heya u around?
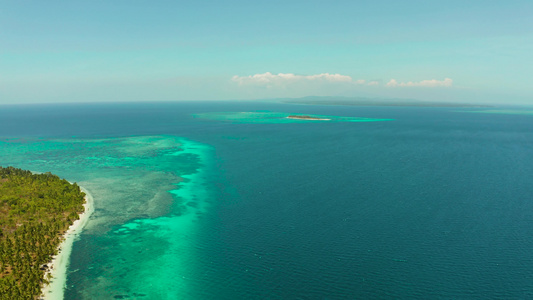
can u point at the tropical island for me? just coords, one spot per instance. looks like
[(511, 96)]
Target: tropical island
[(297, 117), (36, 210)]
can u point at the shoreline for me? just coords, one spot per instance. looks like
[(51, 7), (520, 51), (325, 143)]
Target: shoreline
[(57, 268), (307, 118)]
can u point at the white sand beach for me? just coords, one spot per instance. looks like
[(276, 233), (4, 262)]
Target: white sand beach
[(58, 267)]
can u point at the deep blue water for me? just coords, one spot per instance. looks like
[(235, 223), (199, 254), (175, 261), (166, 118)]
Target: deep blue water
[(435, 204)]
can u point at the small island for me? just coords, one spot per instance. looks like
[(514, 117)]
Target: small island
[(270, 117), (307, 118)]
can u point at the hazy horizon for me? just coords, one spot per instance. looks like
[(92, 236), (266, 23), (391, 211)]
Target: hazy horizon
[(322, 100)]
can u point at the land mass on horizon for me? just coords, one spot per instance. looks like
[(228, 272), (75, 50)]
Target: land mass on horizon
[(369, 101)]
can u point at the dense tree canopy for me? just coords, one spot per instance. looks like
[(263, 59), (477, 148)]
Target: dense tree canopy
[(35, 212)]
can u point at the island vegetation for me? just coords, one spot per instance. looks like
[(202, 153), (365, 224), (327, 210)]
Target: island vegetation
[(35, 212)]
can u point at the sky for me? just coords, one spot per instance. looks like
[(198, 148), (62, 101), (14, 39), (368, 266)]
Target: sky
[(120, 51)]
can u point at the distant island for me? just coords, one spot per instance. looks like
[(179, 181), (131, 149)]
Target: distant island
[(36, 210), (367, 101), (306, 118)]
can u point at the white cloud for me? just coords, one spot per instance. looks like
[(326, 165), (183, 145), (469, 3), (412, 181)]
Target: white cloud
[(447, 82), (284, 79), (281, 78)]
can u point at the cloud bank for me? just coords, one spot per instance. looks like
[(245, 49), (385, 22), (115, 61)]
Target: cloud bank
[(282, 79), (269, 78), (447, 82)]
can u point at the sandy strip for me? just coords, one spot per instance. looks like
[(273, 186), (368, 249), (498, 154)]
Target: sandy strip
[(310, 119), (58, 267)]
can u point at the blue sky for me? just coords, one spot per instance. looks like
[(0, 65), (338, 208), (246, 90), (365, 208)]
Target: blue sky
[(83, 51)]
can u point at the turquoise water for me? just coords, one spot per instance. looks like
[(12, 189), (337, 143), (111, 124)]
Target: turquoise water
[(149, 196), (433, 205)]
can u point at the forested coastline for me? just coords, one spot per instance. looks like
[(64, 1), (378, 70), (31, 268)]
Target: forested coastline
[(35, 212)]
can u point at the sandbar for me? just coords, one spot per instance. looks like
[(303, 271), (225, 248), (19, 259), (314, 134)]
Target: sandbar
[(307, 118)]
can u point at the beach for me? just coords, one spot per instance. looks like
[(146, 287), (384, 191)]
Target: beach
[(307, 118), (58, 266)]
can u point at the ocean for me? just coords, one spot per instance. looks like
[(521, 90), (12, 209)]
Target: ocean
[(195, 200)]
